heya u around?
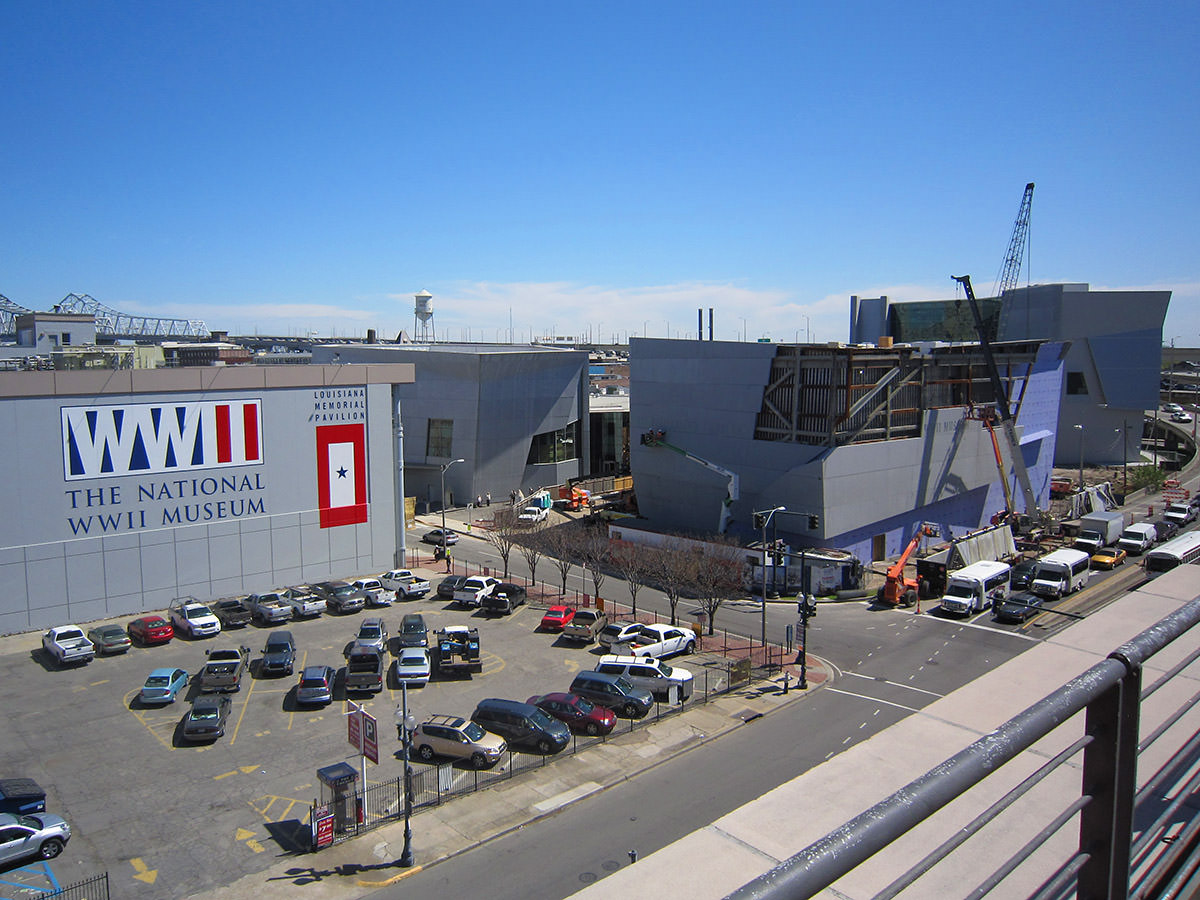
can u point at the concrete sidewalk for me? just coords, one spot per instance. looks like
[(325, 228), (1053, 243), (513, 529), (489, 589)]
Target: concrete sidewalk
[(356, 867)]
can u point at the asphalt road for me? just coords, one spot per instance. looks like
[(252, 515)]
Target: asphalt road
[(907, 664)]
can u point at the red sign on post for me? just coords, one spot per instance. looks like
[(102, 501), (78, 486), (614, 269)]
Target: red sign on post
[(370, 737), (323, 832), (354, 729)]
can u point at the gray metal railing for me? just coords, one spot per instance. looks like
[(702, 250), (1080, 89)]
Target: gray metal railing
[(1108, 806)]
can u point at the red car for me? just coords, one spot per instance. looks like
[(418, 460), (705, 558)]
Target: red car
[(557, 617), (150, 630), (580, 715)]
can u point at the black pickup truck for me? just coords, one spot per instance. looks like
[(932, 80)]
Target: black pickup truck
[(233, 613)]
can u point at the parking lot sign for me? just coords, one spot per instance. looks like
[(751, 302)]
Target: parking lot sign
[(354, 729), (370, 737)]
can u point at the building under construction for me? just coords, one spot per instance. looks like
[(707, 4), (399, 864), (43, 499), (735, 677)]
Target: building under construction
[(860, 444)]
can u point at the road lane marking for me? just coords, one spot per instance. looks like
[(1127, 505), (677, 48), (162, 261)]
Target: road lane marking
[(142, 871), (873, 700), (907, 687)]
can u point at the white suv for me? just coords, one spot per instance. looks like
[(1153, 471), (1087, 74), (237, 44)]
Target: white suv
[(648, 673)]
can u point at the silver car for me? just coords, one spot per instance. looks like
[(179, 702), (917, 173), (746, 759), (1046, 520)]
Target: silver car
[(41, 835), (316, 685)]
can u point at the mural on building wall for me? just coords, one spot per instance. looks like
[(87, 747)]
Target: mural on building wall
[(342, 474)]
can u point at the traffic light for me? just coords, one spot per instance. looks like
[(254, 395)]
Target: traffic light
[(760, 521), (814, 521)]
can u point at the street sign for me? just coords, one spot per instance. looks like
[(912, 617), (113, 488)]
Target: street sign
[(370, 737), (323, 831), (354, 729)]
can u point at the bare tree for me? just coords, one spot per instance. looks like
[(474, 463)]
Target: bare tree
[(594, 549), (720, 576), (634, 563), (503, 534), (561, 544), (674, 569), (532, 548)]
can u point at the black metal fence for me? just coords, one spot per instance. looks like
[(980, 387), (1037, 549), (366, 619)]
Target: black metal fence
[(94, 888), (434, 784), (1131, 842)]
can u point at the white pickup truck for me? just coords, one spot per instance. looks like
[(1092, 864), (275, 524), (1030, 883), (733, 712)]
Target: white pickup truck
[(531, 515), (67, 644), (270, 608), (191, 618), (657, 641), (303, 600), (471, 592), (376, 593), (405, 583)]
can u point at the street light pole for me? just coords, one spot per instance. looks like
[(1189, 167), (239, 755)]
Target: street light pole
[(1079, 428), (763, 519), (406, 855), (1124, 459), (445, 466)]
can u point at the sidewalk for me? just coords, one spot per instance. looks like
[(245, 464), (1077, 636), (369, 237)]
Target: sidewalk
[(359, 866)]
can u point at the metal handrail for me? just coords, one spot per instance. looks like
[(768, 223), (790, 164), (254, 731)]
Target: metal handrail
[(1111, 693)]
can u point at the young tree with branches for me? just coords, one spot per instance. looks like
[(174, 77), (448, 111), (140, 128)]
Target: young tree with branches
[(562, 545), (673, 568), (594, 549), (634, 563), (720, 576), (532, 548), (503, 534)]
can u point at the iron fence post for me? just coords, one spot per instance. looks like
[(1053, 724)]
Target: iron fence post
[(1110, 779)]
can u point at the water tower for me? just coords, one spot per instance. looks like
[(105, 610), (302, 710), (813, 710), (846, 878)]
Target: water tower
[(423, 314)]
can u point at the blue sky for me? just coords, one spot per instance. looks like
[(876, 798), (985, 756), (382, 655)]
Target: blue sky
[(590, 169)]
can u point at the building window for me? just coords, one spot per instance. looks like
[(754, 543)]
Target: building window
[(66, 339), (440, 438), (555, 446), (1076, 383)]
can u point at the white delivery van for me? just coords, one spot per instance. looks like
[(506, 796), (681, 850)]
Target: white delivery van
[(1138, 538), (974, 588), (1059, 573)]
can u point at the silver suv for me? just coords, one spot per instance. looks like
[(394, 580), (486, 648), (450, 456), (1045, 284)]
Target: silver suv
[(41, 835), (459, 738)]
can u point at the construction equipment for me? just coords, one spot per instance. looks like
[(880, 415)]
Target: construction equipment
[(897, 589), (1011, 270), (656, 438), (1007, 425)]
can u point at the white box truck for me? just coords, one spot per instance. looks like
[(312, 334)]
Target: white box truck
[(1138, 538), (974, 588), (1099, 529), (1061, 572)]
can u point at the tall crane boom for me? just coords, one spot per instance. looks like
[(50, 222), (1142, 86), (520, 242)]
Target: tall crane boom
[(1006, 420), (1011, 272)]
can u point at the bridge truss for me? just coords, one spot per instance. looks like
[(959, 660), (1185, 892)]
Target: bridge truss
[(111, 322)]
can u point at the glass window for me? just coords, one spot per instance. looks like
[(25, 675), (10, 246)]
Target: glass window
[(1076, 383), (440, 438), (555, 446)]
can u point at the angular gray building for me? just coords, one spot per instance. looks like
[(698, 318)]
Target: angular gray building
[(516, 415)]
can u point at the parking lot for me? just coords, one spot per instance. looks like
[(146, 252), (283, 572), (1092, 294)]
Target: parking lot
[(167, 818)]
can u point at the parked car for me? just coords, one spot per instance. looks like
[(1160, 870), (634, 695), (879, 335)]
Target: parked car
[(304, 601), (585, 625), (458, 738), (365, 668), (67, 645), (406, 584), (616, 633), (271, 608), (163, 686), (223, 669), (556, 618), (373, 632), (192, 619), (206, 719), (442, 538), (340, 596), (1022, 574), (504, 599), (413, 631), (1108, 558), (1165, 529), (278, 654), (413, 666), (232, 612), (450, 584), (471, 592), (578, 714), (522, 725), (150, 630), (614, 692), (109, 639), (531, 515), (652, 674), (22, 837), (1018, 606), (376, 594), (316, 685)]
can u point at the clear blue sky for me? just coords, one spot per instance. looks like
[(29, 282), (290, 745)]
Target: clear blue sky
[(601, 169)]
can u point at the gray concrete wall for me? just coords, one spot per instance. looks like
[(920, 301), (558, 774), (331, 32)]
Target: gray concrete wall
[(82, 547)]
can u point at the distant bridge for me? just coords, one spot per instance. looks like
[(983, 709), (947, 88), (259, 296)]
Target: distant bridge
[(111, 323)]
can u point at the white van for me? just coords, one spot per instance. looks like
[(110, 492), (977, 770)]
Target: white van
[(1138, 538), (649, 673), (974, 588), (1059, 573)]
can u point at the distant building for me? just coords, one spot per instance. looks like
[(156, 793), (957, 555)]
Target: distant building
[(517, 415), (1111, 367), (861, 445)]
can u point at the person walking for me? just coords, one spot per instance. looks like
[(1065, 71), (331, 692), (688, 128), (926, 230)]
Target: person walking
[(487, 498)]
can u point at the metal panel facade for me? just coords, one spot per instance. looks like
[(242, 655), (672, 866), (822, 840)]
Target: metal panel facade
[(118, 503)]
